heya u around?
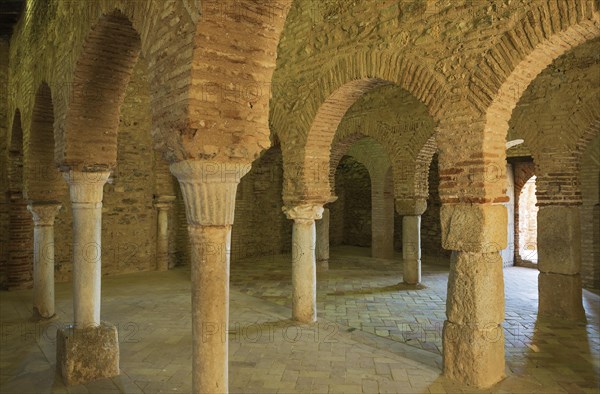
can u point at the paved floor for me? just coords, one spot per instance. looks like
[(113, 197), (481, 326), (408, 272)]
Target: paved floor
[(373, 335)]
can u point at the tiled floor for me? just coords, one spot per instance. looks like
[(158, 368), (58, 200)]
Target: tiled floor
[(373, 335)]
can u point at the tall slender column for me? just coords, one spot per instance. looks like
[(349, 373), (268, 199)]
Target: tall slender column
[(304, 277), (209, 191), (86, 191), (411, 249), (163, 204), (473, 337), (322, 251), (559, 253), (43, 257), (411, 210), (89, 349)]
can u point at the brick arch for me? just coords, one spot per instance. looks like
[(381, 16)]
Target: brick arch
[(421, 171), (234, 56), (558, 167), (43, 181), (504, 72), (544, 34), (521, 54), (306, 141), (102, 73)]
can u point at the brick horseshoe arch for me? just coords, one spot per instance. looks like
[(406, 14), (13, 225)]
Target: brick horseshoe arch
[(310, 147)]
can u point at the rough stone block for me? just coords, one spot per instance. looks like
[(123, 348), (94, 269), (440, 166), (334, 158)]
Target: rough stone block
[(560, 296), (474, 228), (472, 356), (559, 240), (476, 289), (84, 355)]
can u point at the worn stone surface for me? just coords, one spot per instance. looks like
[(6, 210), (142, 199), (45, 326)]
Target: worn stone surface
[(474, 356), (474, 228), (560, 296), (476, 289), (85, 355), (559, 239)]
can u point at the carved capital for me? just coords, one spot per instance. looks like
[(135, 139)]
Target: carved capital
[(44, 212), (411, 206), (306, 212), (209, 190), (86, 187), (164, 202)]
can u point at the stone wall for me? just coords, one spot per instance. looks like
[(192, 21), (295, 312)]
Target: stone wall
[(590, 215), (260, 227), (431, 231), (3, 162)]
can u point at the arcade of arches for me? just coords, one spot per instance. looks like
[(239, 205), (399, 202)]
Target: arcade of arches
[(300, 196)]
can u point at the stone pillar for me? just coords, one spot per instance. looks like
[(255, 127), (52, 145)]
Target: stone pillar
[(559, 253), (322, 252), (304, 277), (209, 191), (88, 350), (43, 257), (382, 218), (411, 249), (473, 337), (163, 204), (411, 210)]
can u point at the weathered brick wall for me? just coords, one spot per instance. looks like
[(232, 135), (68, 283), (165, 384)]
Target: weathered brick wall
[(260, 227), (590, 215), (3, 161), (431, 232), (357, 207)]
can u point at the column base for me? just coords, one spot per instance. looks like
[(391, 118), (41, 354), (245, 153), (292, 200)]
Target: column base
[(37, 315), (412, 272), (560, 296), (84, 355), (473, 356)]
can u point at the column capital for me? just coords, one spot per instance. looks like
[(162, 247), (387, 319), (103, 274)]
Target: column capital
[(305, 212), (86, 187), (164, 202), (44, 212), (209, 190), (411, 206)]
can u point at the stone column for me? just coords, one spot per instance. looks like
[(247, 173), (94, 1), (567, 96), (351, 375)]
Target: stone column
[(411, 249), (43, 257), (304, 277), (163, 204), (473, 337), (88, 350), (209, 191), (411, 210), (559, 253), (322, 252)]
